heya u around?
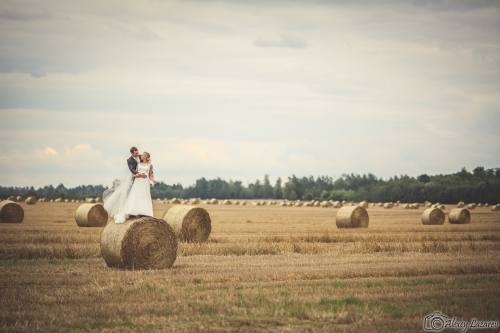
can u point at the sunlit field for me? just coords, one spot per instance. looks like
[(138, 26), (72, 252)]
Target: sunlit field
[(264, 268)]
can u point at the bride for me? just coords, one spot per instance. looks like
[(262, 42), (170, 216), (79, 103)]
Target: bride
[(132, 195)]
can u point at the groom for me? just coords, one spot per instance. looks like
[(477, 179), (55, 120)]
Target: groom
[(132, 162)]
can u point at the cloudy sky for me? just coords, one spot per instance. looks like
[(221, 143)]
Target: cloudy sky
[(239, 89)]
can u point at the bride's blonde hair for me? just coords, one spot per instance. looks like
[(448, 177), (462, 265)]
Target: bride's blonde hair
[(148, 159)]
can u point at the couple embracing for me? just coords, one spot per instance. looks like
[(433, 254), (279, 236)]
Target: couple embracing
[(131, 196)]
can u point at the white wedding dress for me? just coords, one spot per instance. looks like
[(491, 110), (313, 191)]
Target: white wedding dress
[(129, 196)]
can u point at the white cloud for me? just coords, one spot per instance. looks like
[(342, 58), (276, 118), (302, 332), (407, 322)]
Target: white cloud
[(355, 87)]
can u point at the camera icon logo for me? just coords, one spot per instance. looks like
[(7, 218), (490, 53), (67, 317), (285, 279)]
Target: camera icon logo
[(435, 322)]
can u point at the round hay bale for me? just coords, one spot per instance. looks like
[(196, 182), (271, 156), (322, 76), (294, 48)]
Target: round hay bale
[(190, 224), (12, 198), (99, 200), (226, 202), (388, 205), (495, 208), (308, 204), (91, 215), (11, 212), (433, 216), (317, 204), (59, 200), (139, 243), (352, 217), (66, 200), (406, 206), (298, 204), (31, 201), (380, 204), (194, 201), (284, 204), (90, 200), (19, 199), (471, 206), (51, 200), (363, 204), (214, 201), (175, 201), (459, 216), (243, 203), (479, 205), (486, 205), (337, 204), (373, 205)]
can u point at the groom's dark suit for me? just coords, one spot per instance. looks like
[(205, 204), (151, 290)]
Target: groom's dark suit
[(132, 164)]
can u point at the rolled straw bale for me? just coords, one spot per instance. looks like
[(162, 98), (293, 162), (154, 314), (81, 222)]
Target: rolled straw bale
[(290, 204), (31, 201), (325, 204), (479, 205), (459, 216), (317, 204), (352, 217), (363, 204), (19, 199), (73, 200), (337, 204), (398, 202), (387, 205), (442, 207), (406, 206), (91, 215), (12, 198), (284, 204), (433, 216), (214, 201), (51, 200), (11, 212), (139, 243), (351, 204), (495, 208), (344, 202), (243, 203), (428, 204), (471, 206), (194, 201), (99, 200), (227, 202), (59, 200), (380, 204), (486, 205), (308, 204), (175, 201), (66, 200), (190, 224), (298, 204), (373, 205), (90, 200)]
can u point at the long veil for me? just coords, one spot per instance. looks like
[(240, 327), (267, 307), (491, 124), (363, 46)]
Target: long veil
[(116, 197)]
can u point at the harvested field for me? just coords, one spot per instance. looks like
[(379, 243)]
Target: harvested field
[(263, 268)]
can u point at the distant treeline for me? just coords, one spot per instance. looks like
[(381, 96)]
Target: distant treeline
[(480, 186)]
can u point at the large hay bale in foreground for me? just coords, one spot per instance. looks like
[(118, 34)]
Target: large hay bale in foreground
[(91, 215), (139, 243), (190, 224), (11, 212), (31, 201), (433, 216), (352, 217), (459, 216)]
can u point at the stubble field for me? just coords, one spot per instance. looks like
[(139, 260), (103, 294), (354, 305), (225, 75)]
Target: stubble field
[(264, 268)]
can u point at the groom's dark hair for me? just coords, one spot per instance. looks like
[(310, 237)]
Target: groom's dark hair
[(133, 149)]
